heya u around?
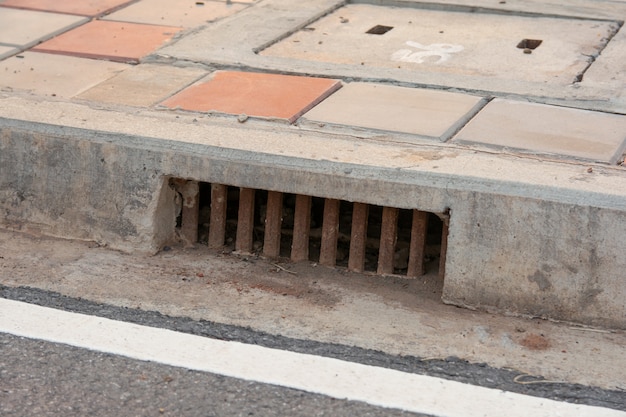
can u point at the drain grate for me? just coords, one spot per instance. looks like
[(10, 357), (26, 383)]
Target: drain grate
[(358, 236)]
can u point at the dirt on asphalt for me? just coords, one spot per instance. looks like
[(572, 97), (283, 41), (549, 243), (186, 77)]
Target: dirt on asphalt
[(392, 314)]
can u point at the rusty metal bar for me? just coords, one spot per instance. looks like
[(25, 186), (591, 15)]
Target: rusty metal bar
[(217, 225), (301, 229), (443, 250), (245, 220), (358, 237), (190, 193), (419, 229), (273, 223), (330, 231), (388, 238)]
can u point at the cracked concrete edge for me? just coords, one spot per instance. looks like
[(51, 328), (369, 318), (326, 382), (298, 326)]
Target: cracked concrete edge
[(223, 47)]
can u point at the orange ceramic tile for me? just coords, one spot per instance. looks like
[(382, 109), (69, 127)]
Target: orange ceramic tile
[(114, 41), (79, 7), (255, 94)]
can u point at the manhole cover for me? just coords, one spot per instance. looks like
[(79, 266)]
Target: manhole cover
[(537, 49)]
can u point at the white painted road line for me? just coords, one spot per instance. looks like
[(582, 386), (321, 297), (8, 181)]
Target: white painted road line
[(332, 377)]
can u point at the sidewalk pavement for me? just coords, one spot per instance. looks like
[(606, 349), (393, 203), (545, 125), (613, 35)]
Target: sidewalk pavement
[(97, 51)]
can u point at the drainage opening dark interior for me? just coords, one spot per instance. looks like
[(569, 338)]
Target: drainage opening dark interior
[(357, 236)]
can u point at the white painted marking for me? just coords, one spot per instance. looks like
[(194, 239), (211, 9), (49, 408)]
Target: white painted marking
[(443, 51), (332, 377)]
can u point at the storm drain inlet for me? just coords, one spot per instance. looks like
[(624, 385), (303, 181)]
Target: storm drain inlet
[(358, 236)]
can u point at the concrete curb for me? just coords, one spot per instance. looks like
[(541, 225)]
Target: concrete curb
[(516, 243)]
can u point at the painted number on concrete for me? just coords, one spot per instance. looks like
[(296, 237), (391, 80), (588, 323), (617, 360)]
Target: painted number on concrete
[(443, 51)]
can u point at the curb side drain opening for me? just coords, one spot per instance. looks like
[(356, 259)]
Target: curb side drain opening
[(357, 236)]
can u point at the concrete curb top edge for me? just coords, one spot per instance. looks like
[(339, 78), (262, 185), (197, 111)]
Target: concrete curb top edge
[(414, 175)]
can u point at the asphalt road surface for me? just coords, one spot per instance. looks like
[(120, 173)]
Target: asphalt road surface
[(43, 378)]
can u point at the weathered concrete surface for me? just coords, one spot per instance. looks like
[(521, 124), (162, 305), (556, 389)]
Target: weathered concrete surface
[(79, 188), (526, 236), (537, 257), (453, 42)]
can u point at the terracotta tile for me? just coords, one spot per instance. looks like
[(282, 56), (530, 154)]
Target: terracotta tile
[(116, 41), (143, 85), (255, 94), (6, 51), (79, 7), (187, 13), (23, 28), (430, 113), (61, 76), (543, 129)]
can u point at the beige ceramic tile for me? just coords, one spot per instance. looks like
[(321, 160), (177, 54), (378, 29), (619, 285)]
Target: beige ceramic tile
[(544, 129), (143, 85), (26, 27), (414, 111), (272, 96), (54, 75), (115, 41), (79, 7), (187, 13), (6, 51)]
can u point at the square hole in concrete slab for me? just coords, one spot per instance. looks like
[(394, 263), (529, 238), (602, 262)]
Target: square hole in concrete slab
[(449, 42), (379, 30), (357, 236), (529, 43)]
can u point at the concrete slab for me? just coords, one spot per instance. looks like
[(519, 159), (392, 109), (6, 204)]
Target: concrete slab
[(450, 42), (115, 41), (142, 85), (187, 13), (54, 75), (83, 8), (24, 28), (6, 51), (255, 94), (601, 10), (609, 69), (430, 113), (543, 129)]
